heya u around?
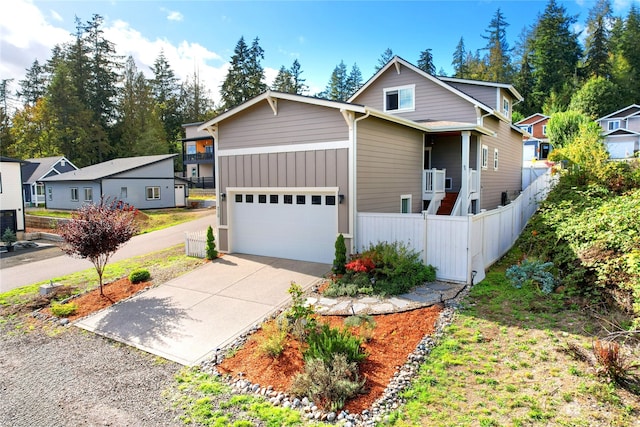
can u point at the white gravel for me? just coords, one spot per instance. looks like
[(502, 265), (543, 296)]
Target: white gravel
[(79, 379)]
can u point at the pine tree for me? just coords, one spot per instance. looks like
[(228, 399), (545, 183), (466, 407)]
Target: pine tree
[(597, 42), (459, 60), (337, 89), (385, 57), (165, 87), (195, 101), (631, 52), (425, 62), (34, 85), (298, 82), (354, 80), (555, 52), (245, 77), (283, 81), (498, 63)]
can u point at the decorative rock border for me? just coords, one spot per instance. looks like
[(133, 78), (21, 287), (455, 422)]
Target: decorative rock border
[(389, 401)]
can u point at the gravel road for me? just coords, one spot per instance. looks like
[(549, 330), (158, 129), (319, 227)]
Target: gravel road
[(76, 378)]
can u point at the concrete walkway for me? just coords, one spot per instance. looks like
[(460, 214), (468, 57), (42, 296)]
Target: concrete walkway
[(189, 317)]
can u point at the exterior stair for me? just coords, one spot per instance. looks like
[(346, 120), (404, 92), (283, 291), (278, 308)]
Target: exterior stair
[(446, 206)]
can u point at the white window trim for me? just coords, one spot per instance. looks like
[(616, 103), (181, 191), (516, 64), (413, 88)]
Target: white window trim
[(495, 159), (506, 112), (610, 125), (399, 88), (77, 196), (404, 197), (484, 156), (88, 190), (153, 192), (544, 130)]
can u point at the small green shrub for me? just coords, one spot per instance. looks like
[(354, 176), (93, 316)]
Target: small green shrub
[(328, 384), (300, 314), (212, 253), (64, 310), (340, 255), (8, 237), (140, 275), (326, 341), (274, 339), (534, 272)]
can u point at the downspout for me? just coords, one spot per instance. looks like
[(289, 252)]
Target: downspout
[(353, 205)]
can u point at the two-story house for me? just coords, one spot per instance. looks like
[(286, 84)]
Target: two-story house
[(535, 140), (621, 132), (197, 156), (11, 198), (293, 172)]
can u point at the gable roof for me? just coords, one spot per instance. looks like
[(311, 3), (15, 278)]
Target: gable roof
[(625, 112), (620, 132), (506, 86), (272, 97), (533, 119), (109, 168), (37, 169)]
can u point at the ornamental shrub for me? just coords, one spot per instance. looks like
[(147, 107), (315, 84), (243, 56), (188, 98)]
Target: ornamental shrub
[(138, 276), (340, 255), (326, 341), (274, 339), (64, 310), (212, 253), (534, 272)]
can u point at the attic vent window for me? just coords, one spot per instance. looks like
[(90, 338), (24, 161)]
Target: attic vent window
[(399, 98)]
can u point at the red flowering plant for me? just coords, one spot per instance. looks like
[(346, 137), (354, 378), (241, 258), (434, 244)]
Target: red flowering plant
[(361, 265)]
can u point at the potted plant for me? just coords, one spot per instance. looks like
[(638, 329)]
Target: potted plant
[(9, 238)]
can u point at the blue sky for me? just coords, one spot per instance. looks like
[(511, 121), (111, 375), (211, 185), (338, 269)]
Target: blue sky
[(202, 34)]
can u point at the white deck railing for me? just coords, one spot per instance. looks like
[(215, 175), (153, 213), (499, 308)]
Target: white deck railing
[(433, 183)]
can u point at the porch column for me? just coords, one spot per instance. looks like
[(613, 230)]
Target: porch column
[(464, 187)]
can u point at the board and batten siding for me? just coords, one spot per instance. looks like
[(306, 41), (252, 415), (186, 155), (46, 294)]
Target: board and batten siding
[(508, 177), (389, 165), (317, 168), (295, 123), (432, 101)]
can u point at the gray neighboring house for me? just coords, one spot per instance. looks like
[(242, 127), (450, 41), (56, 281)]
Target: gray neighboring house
[(38, 169), (621, 132), (146, 182)]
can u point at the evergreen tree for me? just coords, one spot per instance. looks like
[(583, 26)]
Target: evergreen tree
[(425, 62), (630, 46), (283, 81), (245, 77), (596, 98), (555, 52), (31, 131), (385, 57), (195, 101), (165, 87), (523, 77), (597, 42), (354, 80), (7, 144), (298, 82), (459, 62), (337, 89), (34, 85), (498, 63)]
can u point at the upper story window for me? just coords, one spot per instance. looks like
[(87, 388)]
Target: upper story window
[(613, 125), (485, 156), (544, 129), (506, 107), (526, 128), (399, 98)]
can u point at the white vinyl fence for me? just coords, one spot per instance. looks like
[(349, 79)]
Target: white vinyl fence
[(195, 244), (460, 247)]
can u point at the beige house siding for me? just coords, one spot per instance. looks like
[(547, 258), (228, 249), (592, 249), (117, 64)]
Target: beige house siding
[(295, 123), (633, 123), (508, 177), (320, 168), (485, 94), (432, 102), (389, 165)]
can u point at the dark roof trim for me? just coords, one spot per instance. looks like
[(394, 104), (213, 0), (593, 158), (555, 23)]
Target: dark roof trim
[(197, 138)]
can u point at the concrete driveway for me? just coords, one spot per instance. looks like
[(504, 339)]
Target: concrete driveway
[(188, 318)]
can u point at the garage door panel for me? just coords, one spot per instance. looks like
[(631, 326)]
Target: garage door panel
[(295, 231)]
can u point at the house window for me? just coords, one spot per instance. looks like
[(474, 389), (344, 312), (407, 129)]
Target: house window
[(262, 198), (399, 98), (50, 193), (330, 200), (194, 172), (153, 193), (123, 193), (485, 156), (288, 199), (238, 198), (74, 194), (544, 129), (495, 159), (208, 149), (249, 198), (88, 194), (40, 189), (191, 149), (613, 125), (448, 183), (301, 200), (273, 198), (316, 200), (405, 203), (506, 107)]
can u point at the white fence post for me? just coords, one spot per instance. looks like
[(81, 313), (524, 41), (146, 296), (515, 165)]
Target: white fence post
[(195, 244)]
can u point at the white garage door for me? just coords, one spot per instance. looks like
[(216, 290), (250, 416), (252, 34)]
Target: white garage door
[(295, 225)]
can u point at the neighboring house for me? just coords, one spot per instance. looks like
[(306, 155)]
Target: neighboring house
[(11, 199), (621, 132), (197, 157), (37, 169), (536, 142), (293, 171), (145, 182)]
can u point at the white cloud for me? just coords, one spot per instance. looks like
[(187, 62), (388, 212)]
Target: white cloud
[(55, 15), (172, 15)]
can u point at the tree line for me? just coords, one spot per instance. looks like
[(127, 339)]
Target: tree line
[(91, 105)]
